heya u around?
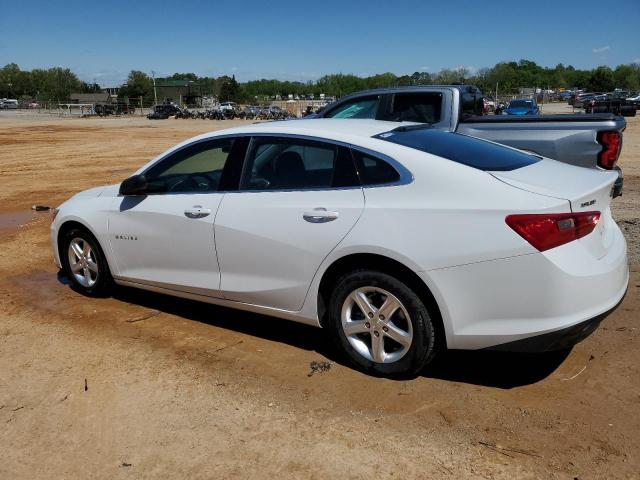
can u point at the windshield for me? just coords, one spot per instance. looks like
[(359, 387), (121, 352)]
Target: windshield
[(459, 148), (521, 104)]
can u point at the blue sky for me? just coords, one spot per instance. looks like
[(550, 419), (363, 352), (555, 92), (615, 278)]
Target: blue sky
[(301, 40)]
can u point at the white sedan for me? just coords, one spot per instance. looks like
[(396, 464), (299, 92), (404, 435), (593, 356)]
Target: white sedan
[(399, 238)]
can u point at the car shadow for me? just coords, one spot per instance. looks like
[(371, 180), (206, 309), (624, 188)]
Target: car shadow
[(495, 369), (486, 368), (261, 326)]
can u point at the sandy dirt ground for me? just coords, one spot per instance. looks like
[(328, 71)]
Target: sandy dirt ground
[(146, 386)]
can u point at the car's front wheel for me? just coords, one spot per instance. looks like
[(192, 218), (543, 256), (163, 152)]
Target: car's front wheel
[(84, 263), (382, 325)]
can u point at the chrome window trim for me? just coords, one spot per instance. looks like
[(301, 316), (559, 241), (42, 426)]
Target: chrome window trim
[(406, 177)]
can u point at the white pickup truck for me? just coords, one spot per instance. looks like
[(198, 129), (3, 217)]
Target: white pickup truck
[(585, 140)]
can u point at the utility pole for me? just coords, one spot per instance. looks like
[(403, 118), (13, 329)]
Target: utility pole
[(155, 94)]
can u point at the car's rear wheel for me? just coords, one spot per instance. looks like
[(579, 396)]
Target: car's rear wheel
[(84, 263), (381, 324)]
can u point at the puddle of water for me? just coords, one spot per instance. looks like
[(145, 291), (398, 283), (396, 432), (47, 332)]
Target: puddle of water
[(12, 220), (48, 286)]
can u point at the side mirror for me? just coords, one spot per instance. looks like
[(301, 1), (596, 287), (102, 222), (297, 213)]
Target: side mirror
[(135, 185)]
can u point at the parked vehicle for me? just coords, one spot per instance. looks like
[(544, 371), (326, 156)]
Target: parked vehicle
[(120, 108), (635, 100), (251, 112), (522, 107), (186, 113), (615, 103), (489, 106), (401, 240), (592, 141), (224, 106), (163, 111), (578, 97), (9, 104)]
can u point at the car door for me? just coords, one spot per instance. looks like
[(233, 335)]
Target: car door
[(297, 200), (165, 237)]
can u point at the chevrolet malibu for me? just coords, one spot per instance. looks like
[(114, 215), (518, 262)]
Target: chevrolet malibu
[(400, 239)]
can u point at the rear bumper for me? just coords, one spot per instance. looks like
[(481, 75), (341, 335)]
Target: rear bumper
[(537, 297), (558, 340)]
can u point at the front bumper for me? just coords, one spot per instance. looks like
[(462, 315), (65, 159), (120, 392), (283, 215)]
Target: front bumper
[(53, 234)]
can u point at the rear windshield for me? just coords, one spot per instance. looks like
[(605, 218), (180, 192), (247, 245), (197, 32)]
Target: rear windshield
[(422, 107), (521, 103), (470, 151)]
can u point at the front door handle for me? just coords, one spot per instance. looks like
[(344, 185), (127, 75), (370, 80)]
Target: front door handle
[(320, 215), (197, 212)]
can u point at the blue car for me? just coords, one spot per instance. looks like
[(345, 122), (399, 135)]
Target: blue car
[(522, 107)]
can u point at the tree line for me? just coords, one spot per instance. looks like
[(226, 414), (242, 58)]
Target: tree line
[(58, 83)]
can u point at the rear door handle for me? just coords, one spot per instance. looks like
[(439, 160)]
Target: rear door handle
[(197, 212), (320, 215)]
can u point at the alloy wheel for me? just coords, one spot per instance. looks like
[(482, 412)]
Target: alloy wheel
[(82, 262), (376, 324)]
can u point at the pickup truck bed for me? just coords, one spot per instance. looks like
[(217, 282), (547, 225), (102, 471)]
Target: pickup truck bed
[(569, 138)]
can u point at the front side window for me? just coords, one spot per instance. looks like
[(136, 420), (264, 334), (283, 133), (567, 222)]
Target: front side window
[(289, 163), (196, 168), (360, 108), (416, 107)]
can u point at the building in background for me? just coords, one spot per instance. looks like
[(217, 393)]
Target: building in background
[(181, 92)]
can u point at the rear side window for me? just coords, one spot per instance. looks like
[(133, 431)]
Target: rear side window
[(416, 107), (366, 107), (470, 151), (373, 170)]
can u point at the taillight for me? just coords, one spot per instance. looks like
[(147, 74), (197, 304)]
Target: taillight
[(611, 144), (545, 231)]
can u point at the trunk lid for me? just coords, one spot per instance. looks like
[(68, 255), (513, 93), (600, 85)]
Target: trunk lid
[(585, 189)]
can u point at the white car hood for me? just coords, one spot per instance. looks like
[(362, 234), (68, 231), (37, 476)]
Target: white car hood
[(107, 190)]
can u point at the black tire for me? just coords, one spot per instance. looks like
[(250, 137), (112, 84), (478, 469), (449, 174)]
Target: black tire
[(424, 343), (103, 282)]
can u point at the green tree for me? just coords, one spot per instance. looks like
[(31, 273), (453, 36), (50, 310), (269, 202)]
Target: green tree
[(627, 77), (230, 91), (139, 84), (601, 80)]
